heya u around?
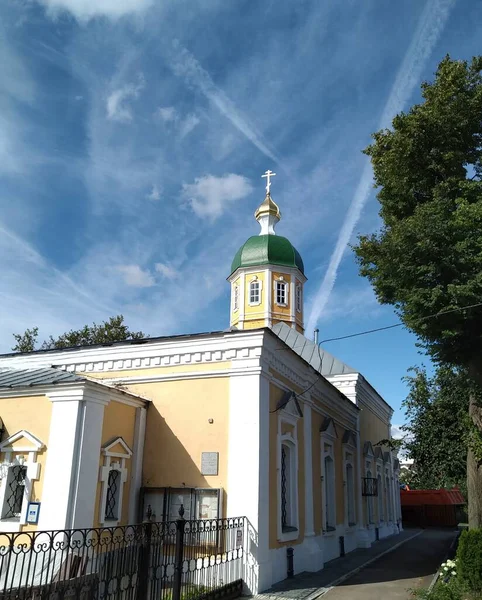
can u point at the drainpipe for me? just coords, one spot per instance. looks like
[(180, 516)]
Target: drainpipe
[(315, 338)]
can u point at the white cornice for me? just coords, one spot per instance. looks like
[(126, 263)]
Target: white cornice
[(356, 387), (168, 353)]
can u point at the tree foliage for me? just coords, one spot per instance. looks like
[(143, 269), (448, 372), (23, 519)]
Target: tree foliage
[(427, 258), (112, 330), (437, 434)]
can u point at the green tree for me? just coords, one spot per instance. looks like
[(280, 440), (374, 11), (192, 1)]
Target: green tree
[(437, 433), (427, 257), (113, 330)]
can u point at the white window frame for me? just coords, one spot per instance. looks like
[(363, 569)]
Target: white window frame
[(389, 496), (380, 485), (350, 488), (281, 282), (113, 461), (16, 457), (289, 415), (328, 492), (235, 297), (369, 499), (299, 297), (255, 279)]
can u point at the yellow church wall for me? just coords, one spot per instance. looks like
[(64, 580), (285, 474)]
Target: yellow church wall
[(178, 431), (119, 421), (372, 427), (254, 324), (32, 413), (275, 395)]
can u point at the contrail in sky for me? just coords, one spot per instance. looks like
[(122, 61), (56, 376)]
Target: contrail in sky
[(184, 64), (430, 26)]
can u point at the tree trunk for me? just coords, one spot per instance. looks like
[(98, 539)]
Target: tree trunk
[(474, 466)]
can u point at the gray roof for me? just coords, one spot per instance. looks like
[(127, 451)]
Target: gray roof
[(319, 359), (18, 378)]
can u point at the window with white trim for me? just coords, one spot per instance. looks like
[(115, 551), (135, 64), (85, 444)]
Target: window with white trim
[(281, 289), (350, 490), (389, 496), (299, 302), (18, 471), (15, 492), (329, 488), (255, 291), (113, 476), (112, 496), (369, 499), (288, 487), (235, 297), (381, 515)]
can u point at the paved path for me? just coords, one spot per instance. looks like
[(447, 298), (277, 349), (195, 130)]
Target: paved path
[(395, 564), (412, 565)]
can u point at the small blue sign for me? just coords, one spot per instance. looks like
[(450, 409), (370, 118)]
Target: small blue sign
[(33, 512)]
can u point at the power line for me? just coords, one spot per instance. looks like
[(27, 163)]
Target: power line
[(435, 315), (368, 331)]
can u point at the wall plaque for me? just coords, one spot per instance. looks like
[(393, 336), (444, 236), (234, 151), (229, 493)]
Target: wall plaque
[(209, 463)]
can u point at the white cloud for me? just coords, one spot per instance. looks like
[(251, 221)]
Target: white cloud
[(209, 196), (431, 25), (155, 193), (117, 107), (83, 10), (135, 276), (167, 271), (188, 124), (397, 433), (167, 113)]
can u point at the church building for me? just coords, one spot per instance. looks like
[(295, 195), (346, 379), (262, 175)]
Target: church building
[(255, 421)]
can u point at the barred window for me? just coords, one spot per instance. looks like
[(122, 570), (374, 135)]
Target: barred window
[(329, 483), (254, 292), (112, 499), (381, 516), (288, 473), (350, 494), (15, 491), (281, 292)]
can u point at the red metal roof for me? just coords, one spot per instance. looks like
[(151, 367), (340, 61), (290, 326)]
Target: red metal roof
[(420, 497)]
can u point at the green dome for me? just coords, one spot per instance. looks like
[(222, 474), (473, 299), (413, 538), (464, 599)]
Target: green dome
[(267, 250)]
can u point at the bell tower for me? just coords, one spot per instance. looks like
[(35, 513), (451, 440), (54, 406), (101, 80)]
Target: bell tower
[(267, 275)]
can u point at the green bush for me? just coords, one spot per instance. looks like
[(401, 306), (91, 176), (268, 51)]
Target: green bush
[(453, 590), (469, 559)]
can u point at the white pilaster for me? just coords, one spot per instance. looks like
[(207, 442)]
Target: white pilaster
[(248, 472), (62, 453), (313, 552), (73, 450), (363, 539), (84, 485), (136, 466), (307, 431)]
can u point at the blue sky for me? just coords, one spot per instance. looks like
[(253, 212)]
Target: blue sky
[(133, 136)]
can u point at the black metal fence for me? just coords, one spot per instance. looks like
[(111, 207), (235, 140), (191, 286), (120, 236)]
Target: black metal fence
[(174, 560)]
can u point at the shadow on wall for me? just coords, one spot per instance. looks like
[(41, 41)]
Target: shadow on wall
[(166, 461)]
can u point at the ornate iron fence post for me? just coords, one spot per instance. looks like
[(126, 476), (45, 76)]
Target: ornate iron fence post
[(144, 562), (178, 558)]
